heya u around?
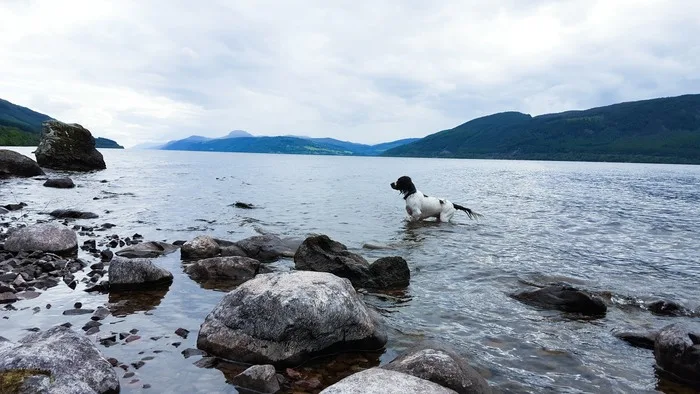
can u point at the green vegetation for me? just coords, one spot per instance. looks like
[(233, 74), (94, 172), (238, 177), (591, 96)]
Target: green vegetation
[(12, 136), (11, 381), (665, 130)]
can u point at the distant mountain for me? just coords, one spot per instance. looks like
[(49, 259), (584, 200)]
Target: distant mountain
[(147, 145), (237, 134), (664, 130), (20, 126)]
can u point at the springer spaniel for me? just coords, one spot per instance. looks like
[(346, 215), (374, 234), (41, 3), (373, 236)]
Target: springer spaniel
[(420, 206)]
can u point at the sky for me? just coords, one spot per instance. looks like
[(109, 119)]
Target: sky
[(364, 71)]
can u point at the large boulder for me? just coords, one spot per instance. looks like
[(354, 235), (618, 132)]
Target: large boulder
[(564, 298), (228, 271), (201, 247), (58, 360), (677, 351), (390, 272), (286, 318), (68, 147), (60, 183), (267, 247), (259, 378), (145, 250), (440, 364), (17, 164), (384, 381), (46, 237), (125, 274)]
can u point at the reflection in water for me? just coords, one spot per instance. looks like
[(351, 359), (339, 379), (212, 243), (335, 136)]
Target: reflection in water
[(130, 302)]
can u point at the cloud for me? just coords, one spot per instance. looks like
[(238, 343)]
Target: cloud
[(362, 71)]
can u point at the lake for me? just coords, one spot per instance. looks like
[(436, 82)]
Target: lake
[(629, 232)]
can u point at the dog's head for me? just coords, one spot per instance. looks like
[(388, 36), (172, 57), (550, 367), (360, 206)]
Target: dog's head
[(404, 185)]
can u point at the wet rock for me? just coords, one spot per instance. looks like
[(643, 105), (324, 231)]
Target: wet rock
[(17, 164), (390, 272), (193, 352), (73, 362), (384, 381), (260, 378), (46, 237), (643, 340), (181, 332), (132, 338), (440, 364), (564, 298), (201, 247), (285, 318), (100, 313), (268, 247), (136, 273), (28, 295), (68, 147), (243, 205), (76, 312), (72, 214), (677, 351), (106, 255), (232, 270), (91, 324), (147, 250), (205, 362), (14, 207), (4, 211), (668, 308), (60, 183), (8, 297)]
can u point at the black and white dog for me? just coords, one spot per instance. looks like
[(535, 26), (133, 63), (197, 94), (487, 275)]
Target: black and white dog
[(420, 206)]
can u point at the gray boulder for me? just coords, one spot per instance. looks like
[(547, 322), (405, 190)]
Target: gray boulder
[(68, 147), (69, 360), (677, 351), (267, 247), (139, 274), (17, 164), (641, 339), (286, 318), (201, 247), (72, 214), (229, 271), (260, 378), (564, 298), (147, 250), (440, 364), (384, 381), (390, 272), (46, 237), (60, 183)]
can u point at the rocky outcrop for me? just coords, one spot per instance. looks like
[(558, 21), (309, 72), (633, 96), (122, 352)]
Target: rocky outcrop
[(59, 360), (440, 364), (564, 298), (45, 237), (285, 318), (259, 378), (145, 250), (384, 381), (642, 339), (265, 248), (322, 254), (677, 351), (201, 247), (669, 308), (17, 164), (68, 147), (60, 183), (228, 271), (125, 274), (72, 214)]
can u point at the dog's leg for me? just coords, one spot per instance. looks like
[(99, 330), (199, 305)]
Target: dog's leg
[(446, 216)]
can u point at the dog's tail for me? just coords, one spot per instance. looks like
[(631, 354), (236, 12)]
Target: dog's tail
[(470, 213)]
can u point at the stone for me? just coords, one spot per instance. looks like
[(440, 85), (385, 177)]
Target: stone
[(668, 308), (106, 255), (8, 298), (72, 362), (46, 237), (181, 332), (60, 183), (260, 378), (384, 381), (147, 250), (232, 270), (201, 247), (190, 352), (286, 318), (645, 340), (677, 351), (68, 147), (564, 298), (136, 274), (17, 164), (72, 214), (390, 272), (75, 312), (267, 247), (322, 254), (100, 313)]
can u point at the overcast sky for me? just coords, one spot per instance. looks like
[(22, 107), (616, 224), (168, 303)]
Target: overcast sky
[(364, 71)]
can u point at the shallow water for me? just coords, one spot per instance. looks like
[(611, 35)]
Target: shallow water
[(627, 229)]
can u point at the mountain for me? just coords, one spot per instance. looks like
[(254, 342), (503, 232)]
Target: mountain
[(237, 134), (663, 130), (20, 126)]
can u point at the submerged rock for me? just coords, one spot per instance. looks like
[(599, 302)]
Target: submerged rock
[(69, 360), (644, 340), (284, 318), (201, 247), (60, 183), (390, 272), (668, 308), (267, 247), (72, 214), (45, 237), (17, 164), (260, 378), (147, 250), (68, 147), (232, 270), (677, 351), (384, 381), (136, 274), (564, 298)]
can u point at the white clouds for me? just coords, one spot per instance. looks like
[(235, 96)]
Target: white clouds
[(364, 71)]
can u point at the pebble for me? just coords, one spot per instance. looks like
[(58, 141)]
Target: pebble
[(182, 332)]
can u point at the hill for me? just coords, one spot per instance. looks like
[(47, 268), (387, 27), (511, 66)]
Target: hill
[(20, 126), (663, 130)]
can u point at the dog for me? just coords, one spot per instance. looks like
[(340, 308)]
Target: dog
[(421, 206)]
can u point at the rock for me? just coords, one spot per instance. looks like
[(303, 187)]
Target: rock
[(100, 313), (72, 214), (147, 250), (8, 298), (440, 364), (677, 351), (644, 340), (136, 274), (68, 147), (384, 381), (106, 255), (4, 211), (201, 247), (322, 254), (17, 164), (284, 318), (14, 207), (76, 311), (60, 183), (46, 237), (193, 352), (231, 270), (181, 332), (668, 308), (71, 360), (260, 378), (564, 298), (267, 247), (390, 272), (243, 205)]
